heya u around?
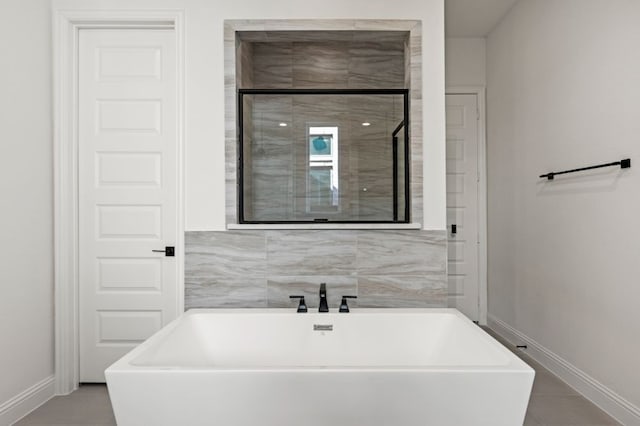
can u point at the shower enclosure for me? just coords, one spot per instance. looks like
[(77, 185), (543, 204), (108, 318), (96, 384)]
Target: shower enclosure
[(323, 155)]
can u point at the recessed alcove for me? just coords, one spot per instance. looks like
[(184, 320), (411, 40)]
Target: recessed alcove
[(321, 59), (347, 55), (259, 265)]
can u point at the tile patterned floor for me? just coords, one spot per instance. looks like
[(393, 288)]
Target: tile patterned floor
[(552, 403), (89, 405)]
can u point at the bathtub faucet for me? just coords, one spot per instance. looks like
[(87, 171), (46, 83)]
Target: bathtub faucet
[(324, 307)]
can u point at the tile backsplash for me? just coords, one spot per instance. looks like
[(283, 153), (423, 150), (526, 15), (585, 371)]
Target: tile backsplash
[(261, 268)]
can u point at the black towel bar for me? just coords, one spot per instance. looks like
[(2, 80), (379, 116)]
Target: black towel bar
[(624, 164)]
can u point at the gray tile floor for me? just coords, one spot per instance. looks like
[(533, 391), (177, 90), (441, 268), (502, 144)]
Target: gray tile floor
[(89, 405), (552, 403)]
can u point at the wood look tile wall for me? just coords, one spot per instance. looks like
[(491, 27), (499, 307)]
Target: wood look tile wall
[(323, 53), (262, 268)]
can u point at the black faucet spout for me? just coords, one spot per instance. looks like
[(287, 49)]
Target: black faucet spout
[(324, 307)]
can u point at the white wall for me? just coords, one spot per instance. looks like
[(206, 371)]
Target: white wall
[(26, 230), (205, 87), (564, 256), (465, 61)]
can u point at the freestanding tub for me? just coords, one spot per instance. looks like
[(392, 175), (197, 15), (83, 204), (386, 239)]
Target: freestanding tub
[(274, 367)]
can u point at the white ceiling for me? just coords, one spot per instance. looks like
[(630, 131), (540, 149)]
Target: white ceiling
[(474, 18)]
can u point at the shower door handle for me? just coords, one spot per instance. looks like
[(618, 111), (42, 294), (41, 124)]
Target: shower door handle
[(168, 251)]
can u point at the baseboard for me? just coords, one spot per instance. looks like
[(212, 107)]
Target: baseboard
[(27, 401), (609, 401)]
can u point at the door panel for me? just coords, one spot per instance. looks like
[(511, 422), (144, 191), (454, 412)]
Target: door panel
[(462, 203), (127, 137)]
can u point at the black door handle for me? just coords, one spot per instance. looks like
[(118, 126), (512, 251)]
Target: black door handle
[(168, 251), (454, 229)]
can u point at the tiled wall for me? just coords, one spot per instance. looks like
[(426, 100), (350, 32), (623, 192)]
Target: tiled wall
[(320, 33), (277, 165), (262, 268), (276, 158), (329, 65)]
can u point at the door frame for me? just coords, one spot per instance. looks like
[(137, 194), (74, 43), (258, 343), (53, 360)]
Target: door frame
[(66, 27), (479, 92)]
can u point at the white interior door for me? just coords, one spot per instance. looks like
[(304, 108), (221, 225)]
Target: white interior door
[(462, 203), (127, 136)]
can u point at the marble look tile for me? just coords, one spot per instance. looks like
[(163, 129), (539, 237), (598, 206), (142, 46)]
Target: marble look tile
[(386, 24), (226, 292), (319, 108), (267, 211), (241, 25), (267, 112), (253, 36), (244, 69), (375, 61), (229, 33), (384, 112), (415, 39), (320, 65), (415, 108), (416, 71), (416, 179), (309, 24), (311, 36), (273, 65), (230, 116), (311, 253), (414, 63), (375, 208), (401, 252), (399, 37), (229, 63), (376, 65), (402, 292), (224, 254), (229, 83), (324, 226), (271, 191), (407, 63), (299, 36), (231, 209), (231, 178), (230, 122), (230, 153), (336, 37), (279, 289), (230, 48)]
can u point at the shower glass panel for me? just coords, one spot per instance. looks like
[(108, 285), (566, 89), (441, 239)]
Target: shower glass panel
[(336, 156), (400, 183)]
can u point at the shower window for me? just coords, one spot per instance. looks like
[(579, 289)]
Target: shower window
[(323, 182), (310, 156)]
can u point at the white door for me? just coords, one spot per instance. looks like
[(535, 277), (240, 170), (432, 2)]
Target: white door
[(462, 203), (127, 136)]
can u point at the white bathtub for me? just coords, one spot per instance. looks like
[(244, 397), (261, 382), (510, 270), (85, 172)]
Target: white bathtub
[(376, 367)]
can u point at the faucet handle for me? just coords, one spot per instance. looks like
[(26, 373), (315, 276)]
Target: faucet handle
[(302, 306), (343, 305)]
